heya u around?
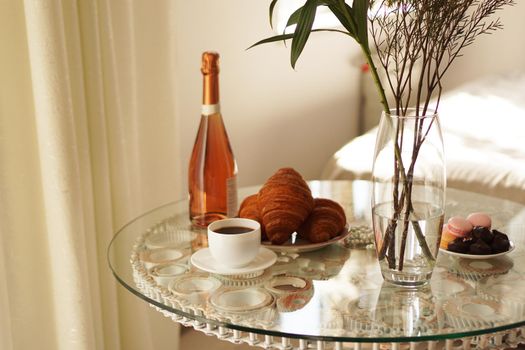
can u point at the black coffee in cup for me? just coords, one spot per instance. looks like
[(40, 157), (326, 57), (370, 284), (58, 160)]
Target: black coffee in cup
[(234, 230)]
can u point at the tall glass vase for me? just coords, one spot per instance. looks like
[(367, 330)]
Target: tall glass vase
[(408, 198)]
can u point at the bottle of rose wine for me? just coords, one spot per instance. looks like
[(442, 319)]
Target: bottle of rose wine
[(212, 175)]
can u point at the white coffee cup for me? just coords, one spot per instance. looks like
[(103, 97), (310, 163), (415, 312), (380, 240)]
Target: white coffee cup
[(232, 249)]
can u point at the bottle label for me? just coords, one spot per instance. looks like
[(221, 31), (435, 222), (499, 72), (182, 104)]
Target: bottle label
[(210, 109), (231, 195)]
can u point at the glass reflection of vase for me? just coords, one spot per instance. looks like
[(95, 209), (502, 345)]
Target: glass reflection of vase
[(405, 312)]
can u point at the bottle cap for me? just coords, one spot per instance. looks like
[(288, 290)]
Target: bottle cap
[(210, 62)]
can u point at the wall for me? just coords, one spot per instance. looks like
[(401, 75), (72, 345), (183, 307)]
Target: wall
[(502, 51), (275, 116)]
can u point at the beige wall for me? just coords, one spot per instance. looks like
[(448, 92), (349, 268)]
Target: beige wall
[(502, 51), (275, 116)]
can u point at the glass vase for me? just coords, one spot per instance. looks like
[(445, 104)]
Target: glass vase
[(408, 200)]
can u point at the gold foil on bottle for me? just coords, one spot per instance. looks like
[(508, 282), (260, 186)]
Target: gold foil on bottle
[(210, 63)]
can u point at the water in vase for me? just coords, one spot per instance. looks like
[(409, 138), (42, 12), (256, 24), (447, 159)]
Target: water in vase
[(407, 257)]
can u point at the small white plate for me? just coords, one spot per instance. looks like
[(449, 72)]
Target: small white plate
[(478, 257), (203, 260), (241, 300), (298, 245)]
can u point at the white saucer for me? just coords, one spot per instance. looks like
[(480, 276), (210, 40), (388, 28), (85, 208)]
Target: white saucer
[(203, 260)]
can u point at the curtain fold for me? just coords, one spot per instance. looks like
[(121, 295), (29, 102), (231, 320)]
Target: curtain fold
[(89, 28), (87, 143), (68, 224), (24, 269)]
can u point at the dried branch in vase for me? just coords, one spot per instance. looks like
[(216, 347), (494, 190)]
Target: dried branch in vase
[(423, 38)]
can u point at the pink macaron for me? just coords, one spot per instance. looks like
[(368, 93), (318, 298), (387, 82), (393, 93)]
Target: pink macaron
[(480, 220), (458, 226)]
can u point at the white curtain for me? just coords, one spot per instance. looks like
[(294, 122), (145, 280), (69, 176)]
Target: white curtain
[(87, 142)]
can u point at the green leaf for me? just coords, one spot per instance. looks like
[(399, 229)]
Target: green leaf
[(290, 36), (361, 19), (272, 39), (331, 30), (302, 32), (294, 17), (348, 24), (272, 5)]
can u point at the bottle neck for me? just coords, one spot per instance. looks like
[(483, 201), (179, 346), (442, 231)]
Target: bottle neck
[(210, 92)]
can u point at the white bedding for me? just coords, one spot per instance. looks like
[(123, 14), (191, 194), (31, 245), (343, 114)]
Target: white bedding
[(483, 126)]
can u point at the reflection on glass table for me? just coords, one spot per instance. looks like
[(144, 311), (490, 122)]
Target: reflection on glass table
[(334, 294)]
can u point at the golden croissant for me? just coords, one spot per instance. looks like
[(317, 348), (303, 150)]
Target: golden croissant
[(249, 209), (284, 201), (326, 221)]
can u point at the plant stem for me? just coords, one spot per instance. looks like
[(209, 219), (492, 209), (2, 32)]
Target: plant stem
[(405, 229), (377, 80), (389, 241), (422, 242)]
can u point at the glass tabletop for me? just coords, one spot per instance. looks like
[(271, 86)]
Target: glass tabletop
[(332, 293)]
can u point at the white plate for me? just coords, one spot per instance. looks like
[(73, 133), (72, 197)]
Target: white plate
[(299, 245), (478, 257), (203, 260), (241, 300)]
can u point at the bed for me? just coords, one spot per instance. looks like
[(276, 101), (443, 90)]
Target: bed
[(483, 125)]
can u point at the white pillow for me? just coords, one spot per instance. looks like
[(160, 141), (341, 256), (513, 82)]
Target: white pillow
[(484, 135)]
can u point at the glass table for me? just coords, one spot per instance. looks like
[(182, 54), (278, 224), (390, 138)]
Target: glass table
[(333, 297)]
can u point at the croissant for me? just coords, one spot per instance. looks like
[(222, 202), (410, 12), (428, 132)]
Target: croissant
[(284, 201), (250, 210), (326, 221)]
